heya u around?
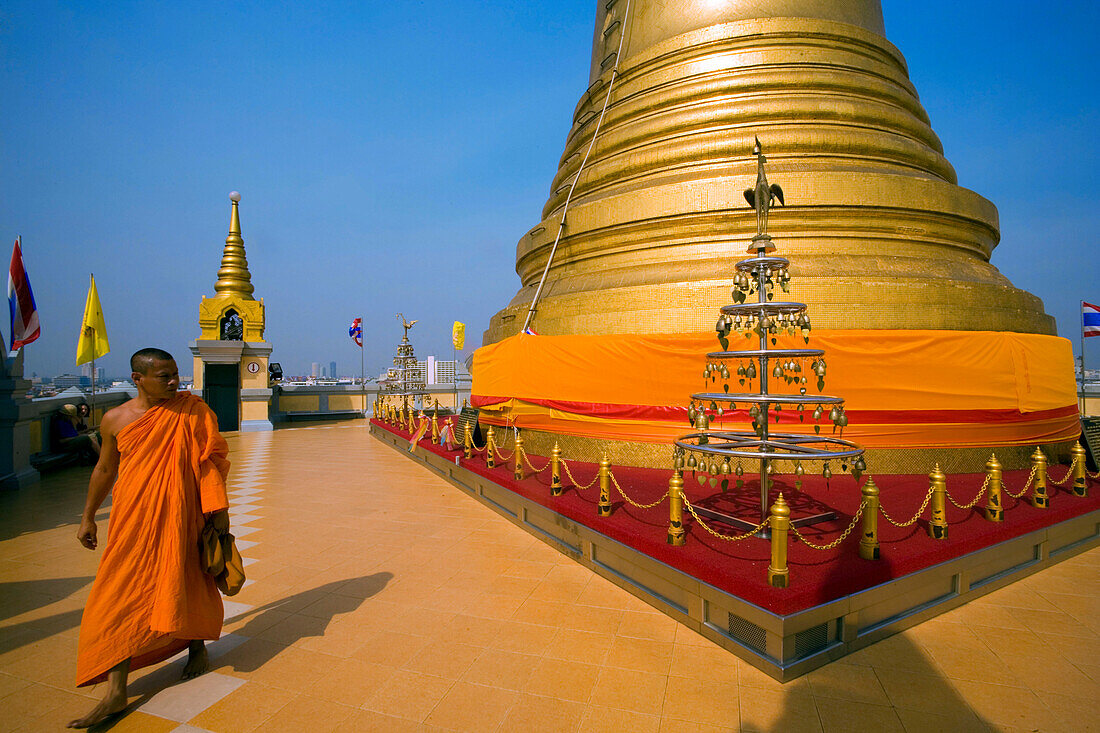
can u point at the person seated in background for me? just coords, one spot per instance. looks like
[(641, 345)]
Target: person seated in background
[(83, 414), (66, 438)]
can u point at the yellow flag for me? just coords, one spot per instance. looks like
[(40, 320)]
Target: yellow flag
[(458, 335), (93, 331)]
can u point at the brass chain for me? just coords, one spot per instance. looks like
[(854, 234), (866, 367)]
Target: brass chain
[(527, 460), (631, 501), (981, 493), (918, 515), (838, 540), (1034, 470), (573, 481), (1091, 475), (1069, 473), (736, 538), (500, 454)]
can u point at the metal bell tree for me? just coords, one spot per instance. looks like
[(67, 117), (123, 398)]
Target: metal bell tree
[(405, 379), (719, 453)]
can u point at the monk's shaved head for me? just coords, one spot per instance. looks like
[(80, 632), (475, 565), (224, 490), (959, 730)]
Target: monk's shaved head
[(142, 361)]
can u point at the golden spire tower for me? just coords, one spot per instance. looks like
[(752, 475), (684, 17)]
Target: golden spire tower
[(230, 355), (233, 276), (882, 234)]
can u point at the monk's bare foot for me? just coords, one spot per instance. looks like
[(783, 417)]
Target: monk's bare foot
[(113, 704), (197, 660)]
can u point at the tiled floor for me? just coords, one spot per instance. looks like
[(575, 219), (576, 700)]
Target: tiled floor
[(382, 598)]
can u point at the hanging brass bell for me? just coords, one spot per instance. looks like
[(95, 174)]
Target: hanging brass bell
[(739, 471), (817, 413), (834, 414), (826, 473), (750, 372), (754, 410), (798, 469), (691, 462), (777, 371)]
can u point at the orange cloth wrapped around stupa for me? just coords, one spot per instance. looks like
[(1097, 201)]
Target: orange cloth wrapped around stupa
[(150, 595)]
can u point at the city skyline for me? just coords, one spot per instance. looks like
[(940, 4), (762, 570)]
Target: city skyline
[(395, 170)]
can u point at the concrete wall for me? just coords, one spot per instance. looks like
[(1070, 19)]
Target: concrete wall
[(340, 400), (46, 406)]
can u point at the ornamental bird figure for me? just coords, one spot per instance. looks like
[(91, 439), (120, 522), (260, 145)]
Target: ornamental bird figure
[(761, 197), (406, 324)]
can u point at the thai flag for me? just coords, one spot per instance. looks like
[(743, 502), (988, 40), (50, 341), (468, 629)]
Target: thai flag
[(530, 331), (1090, 318), (356, 331), (24, 313)]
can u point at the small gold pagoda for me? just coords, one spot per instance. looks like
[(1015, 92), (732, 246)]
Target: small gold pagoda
[(231, 356)]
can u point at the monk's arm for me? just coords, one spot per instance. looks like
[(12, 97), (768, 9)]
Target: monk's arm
[(103, 478)]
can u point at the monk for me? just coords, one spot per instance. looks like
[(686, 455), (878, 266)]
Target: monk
[(166, 461)]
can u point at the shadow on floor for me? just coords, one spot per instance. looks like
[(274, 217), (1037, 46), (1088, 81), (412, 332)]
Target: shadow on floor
[(233, 650), (23, 596), (892, 684), (57, 500)]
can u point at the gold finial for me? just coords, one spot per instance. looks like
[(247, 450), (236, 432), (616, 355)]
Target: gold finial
[(233, 275)]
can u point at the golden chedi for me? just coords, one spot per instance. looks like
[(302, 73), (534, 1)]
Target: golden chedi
[(882, 240), (658, 209)]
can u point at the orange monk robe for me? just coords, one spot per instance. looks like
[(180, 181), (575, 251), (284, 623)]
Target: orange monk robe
[(150, 595)]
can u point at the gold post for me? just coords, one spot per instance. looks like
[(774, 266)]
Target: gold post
[(868, 543), (490, 449), (937, 525), (604, 507), (676, 534), (994, 510), (517, 471), (1039, 498), (555, 470), (1080, 488), (780, 517), (435, 426), (467, 441)]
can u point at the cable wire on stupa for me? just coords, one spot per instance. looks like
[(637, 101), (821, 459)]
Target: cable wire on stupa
[(577, 177)]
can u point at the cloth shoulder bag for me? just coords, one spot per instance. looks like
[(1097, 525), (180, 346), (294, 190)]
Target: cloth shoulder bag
[(220, 558)]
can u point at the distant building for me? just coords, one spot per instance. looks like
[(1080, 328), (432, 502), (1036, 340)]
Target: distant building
[(436, 371), (315, 370), (332, 369), (64, 381)]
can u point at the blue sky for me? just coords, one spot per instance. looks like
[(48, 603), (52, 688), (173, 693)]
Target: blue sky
[(390, 155)]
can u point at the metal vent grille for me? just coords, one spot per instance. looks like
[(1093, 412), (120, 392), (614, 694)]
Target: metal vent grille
[(748, 633), (811, 640)]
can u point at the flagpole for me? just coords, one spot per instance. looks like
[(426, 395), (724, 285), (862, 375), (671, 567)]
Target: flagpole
[(1081, 389), (91, 413), (362, 370)]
